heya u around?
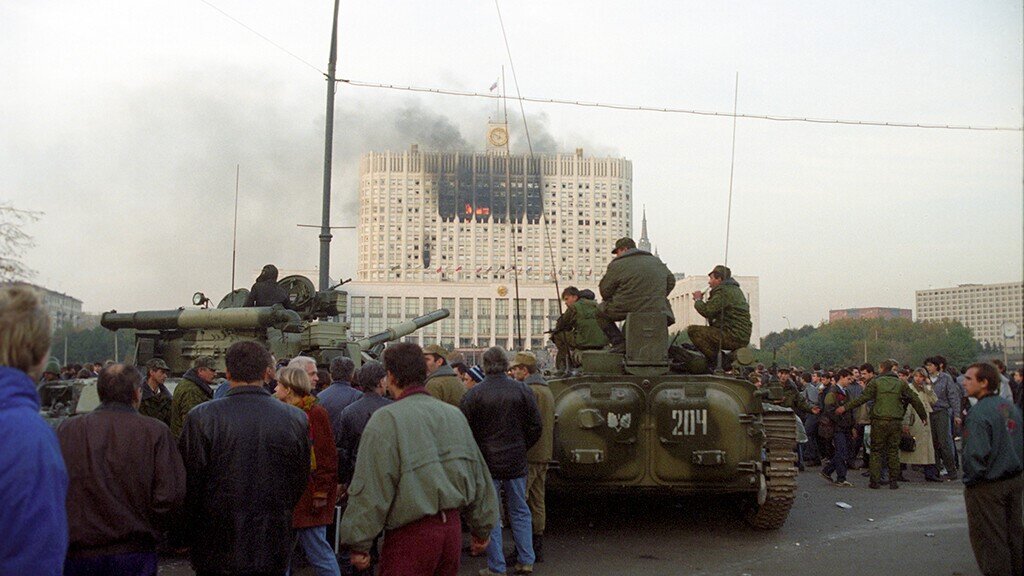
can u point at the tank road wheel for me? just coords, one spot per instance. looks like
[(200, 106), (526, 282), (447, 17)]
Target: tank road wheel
[(778, 490)]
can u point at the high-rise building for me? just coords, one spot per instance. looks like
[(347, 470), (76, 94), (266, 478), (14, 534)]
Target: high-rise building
[(984, 308), (465, 231)]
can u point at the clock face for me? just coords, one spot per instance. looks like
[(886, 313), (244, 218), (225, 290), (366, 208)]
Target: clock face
[(498, 136), (1009, 330)]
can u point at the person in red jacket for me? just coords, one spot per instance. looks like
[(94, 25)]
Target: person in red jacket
[(315, 509)]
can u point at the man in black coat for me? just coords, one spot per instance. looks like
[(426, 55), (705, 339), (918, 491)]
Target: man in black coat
[(266, 291), (247, 463), (505, 420)]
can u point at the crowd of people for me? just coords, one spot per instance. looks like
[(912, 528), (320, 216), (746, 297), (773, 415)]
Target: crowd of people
[(243, 474), (945, 423)]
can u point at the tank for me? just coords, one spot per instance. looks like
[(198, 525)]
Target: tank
[(635, 422), (180, 336), (302, 328)]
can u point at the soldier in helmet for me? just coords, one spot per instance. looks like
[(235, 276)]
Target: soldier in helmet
[(636, 281), (266, 291), (727, 312)]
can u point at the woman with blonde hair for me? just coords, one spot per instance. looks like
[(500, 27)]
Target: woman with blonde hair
[(315, 509), (924, 451)]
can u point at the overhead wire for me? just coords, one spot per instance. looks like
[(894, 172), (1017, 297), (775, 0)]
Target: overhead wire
[(668, 110)]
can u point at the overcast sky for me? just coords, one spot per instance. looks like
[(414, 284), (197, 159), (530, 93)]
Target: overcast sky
[(123, 123)]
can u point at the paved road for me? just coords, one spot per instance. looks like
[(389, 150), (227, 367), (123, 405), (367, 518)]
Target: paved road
[(919, 529)]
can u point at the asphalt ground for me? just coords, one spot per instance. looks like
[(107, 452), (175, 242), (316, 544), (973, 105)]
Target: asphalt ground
[(919, 529)]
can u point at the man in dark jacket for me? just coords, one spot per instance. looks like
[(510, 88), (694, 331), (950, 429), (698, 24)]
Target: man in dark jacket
[(355, 416), (194, 389), (129, 479), (727, 312), (266, 291), (837, 429), (505, 420), (247, 463), (636, 281)]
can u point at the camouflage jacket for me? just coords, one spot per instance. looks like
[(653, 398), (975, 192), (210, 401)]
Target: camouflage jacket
[(891, 396), (189, 393), (445, 385), (579, 322), (727, 310)]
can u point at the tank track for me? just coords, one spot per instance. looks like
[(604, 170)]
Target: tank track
[(780, 471)]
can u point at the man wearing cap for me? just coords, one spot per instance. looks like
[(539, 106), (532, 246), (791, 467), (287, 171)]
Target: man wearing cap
[(156, 398), (442, 382), (727, 312), (636, 281), (194, 389), (524, 369)]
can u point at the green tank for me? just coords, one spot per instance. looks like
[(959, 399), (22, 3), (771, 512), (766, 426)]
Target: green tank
[(634, 422), (180, 336), (303, 328)]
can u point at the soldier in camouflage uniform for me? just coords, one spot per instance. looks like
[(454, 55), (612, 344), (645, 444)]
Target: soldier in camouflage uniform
[(156, 398), (727, 312), (577, 327), (891, 396)]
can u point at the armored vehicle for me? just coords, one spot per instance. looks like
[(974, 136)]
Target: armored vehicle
[(633, 422), (300, 328), (180, 336)]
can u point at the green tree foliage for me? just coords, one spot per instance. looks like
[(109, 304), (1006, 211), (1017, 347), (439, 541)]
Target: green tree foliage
[(92, 345), (847, 342)]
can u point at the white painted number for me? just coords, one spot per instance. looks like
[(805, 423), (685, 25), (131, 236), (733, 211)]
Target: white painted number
[(689, 421)]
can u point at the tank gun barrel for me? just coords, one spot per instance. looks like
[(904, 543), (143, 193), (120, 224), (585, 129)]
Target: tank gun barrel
[(403, 329), (216, 319)]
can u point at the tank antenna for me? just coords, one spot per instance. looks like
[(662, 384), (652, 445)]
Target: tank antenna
[(234, 230), (732, 165)]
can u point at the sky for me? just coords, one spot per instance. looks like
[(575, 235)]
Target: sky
[(122, 124)]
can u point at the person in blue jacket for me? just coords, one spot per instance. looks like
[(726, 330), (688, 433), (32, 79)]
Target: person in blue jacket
[(33, 480)]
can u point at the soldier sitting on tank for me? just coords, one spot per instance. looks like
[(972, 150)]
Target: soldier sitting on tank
[(728, 316), (266, 291), (636, 281), (577, 327)]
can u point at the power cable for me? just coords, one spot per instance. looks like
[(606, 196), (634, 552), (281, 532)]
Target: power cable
[(641, 108)]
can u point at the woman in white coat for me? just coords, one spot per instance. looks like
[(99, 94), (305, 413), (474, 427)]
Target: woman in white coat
[(924, 452)]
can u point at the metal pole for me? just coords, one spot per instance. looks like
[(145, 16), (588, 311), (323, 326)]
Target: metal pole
[(234, 230), (325, 228)]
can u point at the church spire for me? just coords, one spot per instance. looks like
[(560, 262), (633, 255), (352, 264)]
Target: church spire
[(644, 243)]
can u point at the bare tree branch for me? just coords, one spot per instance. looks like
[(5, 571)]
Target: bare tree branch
[(14, 242)]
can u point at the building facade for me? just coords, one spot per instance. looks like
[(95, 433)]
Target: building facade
[(869, 313), (486, 217), (984, 308), (65, 311)]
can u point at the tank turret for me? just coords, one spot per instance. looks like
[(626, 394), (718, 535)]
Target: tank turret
[(307, 325)]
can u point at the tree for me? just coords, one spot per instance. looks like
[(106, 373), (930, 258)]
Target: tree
[(13, 242), (93, 344)]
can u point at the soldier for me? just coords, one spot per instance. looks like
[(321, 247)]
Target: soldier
[(266, 291), (156, 398), (524, 368), (636, 281), (727, 312), (577, 327), (194, 389), (442, 382), (890, 395)]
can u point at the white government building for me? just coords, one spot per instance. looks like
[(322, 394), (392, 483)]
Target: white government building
[(984, 308), (456, 230)]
